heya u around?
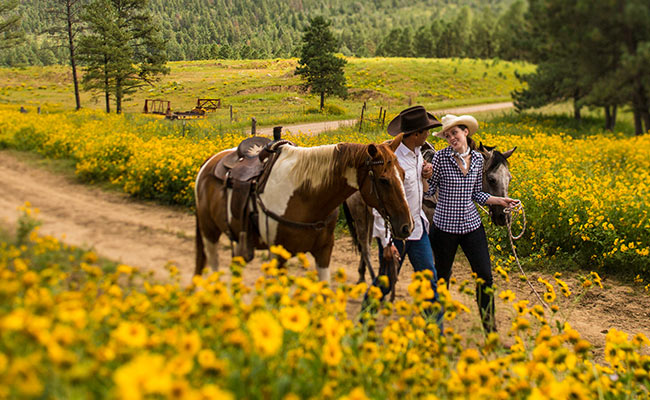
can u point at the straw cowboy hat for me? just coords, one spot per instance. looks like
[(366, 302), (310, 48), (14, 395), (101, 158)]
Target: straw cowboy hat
[(413, 119), (450, 120)]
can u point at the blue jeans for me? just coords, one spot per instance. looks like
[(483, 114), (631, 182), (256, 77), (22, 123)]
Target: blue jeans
[(421, 257)]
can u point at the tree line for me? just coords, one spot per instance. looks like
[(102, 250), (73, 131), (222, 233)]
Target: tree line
[(245, 29)]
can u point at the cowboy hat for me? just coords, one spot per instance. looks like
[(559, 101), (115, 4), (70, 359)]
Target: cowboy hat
[(450, 120), (413, 119)]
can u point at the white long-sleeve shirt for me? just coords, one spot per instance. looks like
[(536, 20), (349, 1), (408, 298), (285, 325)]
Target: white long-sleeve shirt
[(412, 163)]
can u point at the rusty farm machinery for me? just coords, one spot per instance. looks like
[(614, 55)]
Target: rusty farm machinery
[(163, 107)]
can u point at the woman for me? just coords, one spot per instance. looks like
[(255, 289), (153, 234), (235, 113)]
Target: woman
[(458, 177)]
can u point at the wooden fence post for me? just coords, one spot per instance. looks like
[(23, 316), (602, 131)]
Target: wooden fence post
[(383, 120), (363, 109), (231, 113), (381, 109), (253, 126)]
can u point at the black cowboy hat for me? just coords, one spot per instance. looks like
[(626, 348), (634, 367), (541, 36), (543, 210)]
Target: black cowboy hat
[(413, 119)]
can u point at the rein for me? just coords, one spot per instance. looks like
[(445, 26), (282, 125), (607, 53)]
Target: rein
[(382, 206), (389, 267), (518, 209)]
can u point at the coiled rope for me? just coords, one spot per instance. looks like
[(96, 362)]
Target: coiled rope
[(510, 214)]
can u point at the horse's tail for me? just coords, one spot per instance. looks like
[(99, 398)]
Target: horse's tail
[(353, 229), (200, 251)]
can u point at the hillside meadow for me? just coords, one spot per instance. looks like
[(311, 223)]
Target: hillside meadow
[(269, 91)]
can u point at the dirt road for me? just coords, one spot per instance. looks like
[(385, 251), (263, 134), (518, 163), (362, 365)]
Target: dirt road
[(149, 235), (318, 127)]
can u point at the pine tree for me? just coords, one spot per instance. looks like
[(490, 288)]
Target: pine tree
[(321, 70), (423, 42), (65, 25), (123, 48), (10, 33)]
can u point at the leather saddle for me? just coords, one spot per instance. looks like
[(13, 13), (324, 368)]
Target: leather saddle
[(244, 173)]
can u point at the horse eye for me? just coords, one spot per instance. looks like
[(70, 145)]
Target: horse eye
[(384, 181), (492, 180)]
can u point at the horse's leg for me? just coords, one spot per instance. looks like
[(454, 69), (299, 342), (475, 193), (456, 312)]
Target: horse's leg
[(200, 249), (365, 237), (211, 251), (362, 270), (207, 241), (322, 258)]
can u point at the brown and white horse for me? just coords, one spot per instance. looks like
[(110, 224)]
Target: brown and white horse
[(496, 180), (305, 186)]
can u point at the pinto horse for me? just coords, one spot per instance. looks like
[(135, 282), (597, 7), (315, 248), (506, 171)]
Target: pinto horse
[(299, 203), (496, 180)]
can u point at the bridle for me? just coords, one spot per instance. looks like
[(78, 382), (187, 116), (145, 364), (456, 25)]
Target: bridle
[(369, 163)]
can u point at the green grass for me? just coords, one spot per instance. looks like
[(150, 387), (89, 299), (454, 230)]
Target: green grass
[(269, 91)]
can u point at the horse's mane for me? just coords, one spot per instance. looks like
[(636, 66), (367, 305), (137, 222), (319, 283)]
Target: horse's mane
[(317, 166), (496, 160)]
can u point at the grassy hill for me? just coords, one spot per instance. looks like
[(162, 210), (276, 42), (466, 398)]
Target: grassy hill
[(268, 89)]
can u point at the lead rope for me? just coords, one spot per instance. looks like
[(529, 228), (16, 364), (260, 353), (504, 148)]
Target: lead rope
[(518, 209)]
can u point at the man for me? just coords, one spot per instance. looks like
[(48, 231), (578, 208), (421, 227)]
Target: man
[(415, 123)]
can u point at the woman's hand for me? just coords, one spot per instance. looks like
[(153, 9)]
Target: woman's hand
[(506, 202)]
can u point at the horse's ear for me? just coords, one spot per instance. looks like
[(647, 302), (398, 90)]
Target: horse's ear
[(509, 152), (372, 150), (483, 150), (394, 144)]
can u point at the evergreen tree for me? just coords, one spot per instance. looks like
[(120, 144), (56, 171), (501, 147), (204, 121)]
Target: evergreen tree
[(594, 52), (65, 25), (96, 51), (482, 35), (404, 46), (10, 33), (513, 32), (123, 50), (322, 71), (557, 77), (388, 47), (423, 45)]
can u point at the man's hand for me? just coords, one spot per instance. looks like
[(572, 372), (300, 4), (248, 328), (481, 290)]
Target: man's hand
[(427, 170), (395, 252)]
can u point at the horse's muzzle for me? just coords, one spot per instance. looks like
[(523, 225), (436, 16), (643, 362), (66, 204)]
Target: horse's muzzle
[(498, 216), (405, 231)]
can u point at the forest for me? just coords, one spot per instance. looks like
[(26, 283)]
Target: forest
[(258, 29)]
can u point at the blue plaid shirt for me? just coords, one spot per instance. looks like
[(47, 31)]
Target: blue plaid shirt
[(455, 211)]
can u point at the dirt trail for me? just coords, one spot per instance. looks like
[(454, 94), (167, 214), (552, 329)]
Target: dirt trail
[(149, 235), (319, 127)]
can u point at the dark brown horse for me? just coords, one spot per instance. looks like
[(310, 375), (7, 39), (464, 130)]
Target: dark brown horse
[(496, 180), (302, 195)]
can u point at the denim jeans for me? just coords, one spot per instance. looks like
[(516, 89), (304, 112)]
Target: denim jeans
[(421, 257)]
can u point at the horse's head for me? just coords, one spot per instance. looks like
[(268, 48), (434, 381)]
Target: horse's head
[(428, 151), (496, 178), (382, 186)]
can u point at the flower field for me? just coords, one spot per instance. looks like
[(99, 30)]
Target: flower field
[(75, 327), (584, 193)]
